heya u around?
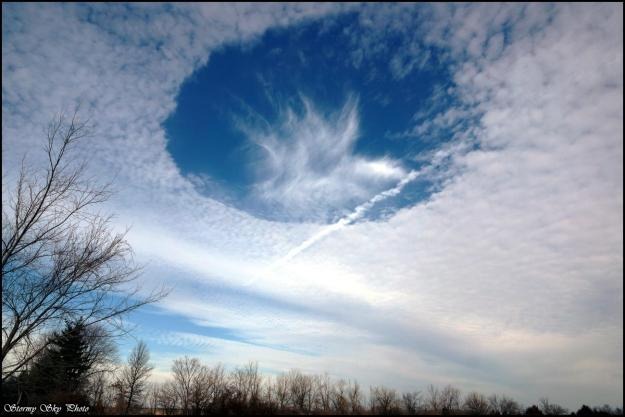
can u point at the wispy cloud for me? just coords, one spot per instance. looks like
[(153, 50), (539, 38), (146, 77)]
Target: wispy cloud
[(309, 167)]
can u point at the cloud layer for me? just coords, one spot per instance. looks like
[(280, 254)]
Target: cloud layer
[(516, 259)]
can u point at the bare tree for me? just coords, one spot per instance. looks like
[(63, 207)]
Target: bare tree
[(476, 403), (340, 401), (355, 397), (506, 406), (104, 393), (268, 397), (551, 409), (450, 399), (217, 387), (323, 392), (281, 391), (300, 388), (246, 383), (152, 396), (433, 400), (168, 397), (118, 396), (384, 401), (185, 372), (412, 402), (208, 386), (200, 390), (135, 374), (60, 260), (96, 391)]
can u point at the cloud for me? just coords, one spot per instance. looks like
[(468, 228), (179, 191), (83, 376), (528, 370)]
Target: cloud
[(309, 167), (527, 235), (516, 259), (126, 62), (355, 215)]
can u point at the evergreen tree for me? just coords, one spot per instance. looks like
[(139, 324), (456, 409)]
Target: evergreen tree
[(60, 373)]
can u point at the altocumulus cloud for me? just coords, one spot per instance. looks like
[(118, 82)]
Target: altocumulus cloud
[(516, 259)]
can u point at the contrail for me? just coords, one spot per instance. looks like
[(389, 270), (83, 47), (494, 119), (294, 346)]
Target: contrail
[(358, 212)]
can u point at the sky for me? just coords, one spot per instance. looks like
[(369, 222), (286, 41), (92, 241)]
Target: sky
[(395, 193)]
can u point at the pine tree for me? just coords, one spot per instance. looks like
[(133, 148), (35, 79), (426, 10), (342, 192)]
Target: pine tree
[(60, 373), (73, 356)]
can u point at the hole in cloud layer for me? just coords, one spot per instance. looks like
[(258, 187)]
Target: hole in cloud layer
[(287, 129)]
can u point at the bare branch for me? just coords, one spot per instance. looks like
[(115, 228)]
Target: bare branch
[(60, 259)]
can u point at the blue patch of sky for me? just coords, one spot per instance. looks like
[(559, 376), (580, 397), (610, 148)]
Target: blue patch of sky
[(164, 332), (257, 80), (152, 319), (155, 324)]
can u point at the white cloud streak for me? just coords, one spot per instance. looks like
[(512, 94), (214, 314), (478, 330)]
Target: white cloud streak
[(356, 215)]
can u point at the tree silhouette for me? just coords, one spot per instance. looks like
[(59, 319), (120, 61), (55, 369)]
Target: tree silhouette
[(584, 411), (60, 260), (551, 409), (533, 411), (476, 404), (135, 374), (60, 372), (503, 405)]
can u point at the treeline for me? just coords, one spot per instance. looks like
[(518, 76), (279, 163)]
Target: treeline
[(196, 388), (79, 367)]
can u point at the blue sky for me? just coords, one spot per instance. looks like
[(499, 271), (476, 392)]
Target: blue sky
[(401, 194), (304, 70)]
